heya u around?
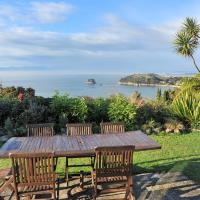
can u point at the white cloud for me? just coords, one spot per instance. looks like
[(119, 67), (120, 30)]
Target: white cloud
[(115, 38), (114, 31), (116, 43), (51, 12), (119, 35)]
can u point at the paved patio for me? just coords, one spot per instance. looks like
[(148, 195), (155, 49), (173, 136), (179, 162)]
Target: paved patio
[(158, 186)]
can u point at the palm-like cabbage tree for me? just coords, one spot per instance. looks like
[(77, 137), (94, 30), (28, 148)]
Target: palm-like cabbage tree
[(192, 27), (187, 39)]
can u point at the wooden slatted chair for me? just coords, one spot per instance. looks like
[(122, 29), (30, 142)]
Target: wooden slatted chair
[(110, 127), (6, 180), (114, 164), (40, 129), (34, 174), (77, 129)]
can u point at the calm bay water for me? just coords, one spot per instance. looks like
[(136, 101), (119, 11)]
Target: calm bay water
[(75, 86)]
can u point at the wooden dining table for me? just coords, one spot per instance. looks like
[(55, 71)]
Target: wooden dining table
[(77, 146)]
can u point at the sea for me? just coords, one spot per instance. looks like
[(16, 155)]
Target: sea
[(74, 85)]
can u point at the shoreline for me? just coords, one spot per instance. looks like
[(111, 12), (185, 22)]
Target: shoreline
[(145, 84)]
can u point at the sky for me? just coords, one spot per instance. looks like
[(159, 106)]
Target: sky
[(93, 36)]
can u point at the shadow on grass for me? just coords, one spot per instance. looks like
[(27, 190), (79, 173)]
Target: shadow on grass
[(189, 167), (188, 157)]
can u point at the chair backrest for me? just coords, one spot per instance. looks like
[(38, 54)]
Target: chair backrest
[(79, 129), (114, 161), (109, 127), (40, 129), (33, 169)]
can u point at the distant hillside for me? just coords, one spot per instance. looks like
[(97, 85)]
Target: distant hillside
[(149, 79)]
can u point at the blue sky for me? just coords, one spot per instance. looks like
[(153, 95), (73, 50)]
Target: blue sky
[(93, 36)]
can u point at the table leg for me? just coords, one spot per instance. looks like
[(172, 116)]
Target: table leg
[(67, 171), (81, 179), (78, 189)]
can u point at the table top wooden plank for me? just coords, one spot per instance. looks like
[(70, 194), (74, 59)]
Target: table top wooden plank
[(77, 146)]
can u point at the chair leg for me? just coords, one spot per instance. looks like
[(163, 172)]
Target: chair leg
[(67, 172), (131, 195), (17, 196), (92, 160), (58, 188), (127, 189), (56, 163), (95, 190), (54, 195)]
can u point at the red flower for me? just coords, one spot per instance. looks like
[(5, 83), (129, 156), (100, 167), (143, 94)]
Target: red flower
[(20, 96)]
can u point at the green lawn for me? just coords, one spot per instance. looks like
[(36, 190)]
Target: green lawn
[(178, 153)]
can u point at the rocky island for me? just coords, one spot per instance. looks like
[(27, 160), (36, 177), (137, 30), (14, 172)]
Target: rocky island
[(150, 80), (90, 81)]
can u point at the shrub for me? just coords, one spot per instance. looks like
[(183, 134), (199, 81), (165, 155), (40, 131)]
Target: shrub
[(121, 110), (5, 110), (152, 110), (34, 114), (158, 94), (78, 110), (10, 92), (61, 125), (9, 126), (13, 129), (60, 103), (174, 126), (151, 127), (167, 96), (67, 109), (136, 99), (13, 92), (186, 106), (134, 111), (97, 110), (191, 83)]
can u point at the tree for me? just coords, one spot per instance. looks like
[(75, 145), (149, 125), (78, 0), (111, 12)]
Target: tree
[(159, 94), (166, 96), (191, 83), (187, 39)]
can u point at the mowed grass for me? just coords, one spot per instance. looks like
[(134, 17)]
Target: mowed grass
[(179, 153)]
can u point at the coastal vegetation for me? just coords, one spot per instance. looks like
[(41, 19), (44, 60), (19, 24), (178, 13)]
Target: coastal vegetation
[(173, 111), (149, 79)]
